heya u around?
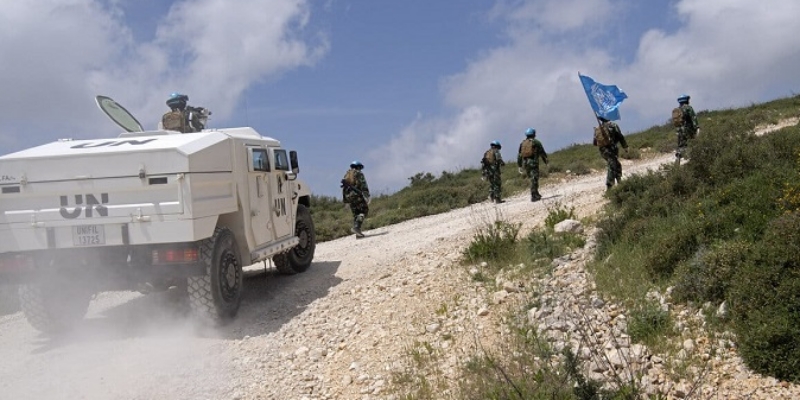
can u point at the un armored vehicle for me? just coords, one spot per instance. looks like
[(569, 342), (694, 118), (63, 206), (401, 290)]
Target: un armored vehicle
[(149, 211)]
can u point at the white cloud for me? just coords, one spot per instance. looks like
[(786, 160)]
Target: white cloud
[(431, 145), (58, 54), (555, 15), (724, 53), (48, 49), (727, 53)]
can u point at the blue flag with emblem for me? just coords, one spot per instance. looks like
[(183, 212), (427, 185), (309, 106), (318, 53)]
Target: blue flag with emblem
[(604, 99)]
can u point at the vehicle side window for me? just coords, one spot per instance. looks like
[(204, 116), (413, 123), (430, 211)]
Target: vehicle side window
[(281, 160), (260, 160)]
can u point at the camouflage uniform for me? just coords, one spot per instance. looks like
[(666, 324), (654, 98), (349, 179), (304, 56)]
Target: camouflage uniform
[(190, 117), (491, 171), (688, 130), (357, 196), (610, 153), (531, 165)]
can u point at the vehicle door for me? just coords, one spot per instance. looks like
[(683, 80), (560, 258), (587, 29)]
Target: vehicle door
[(282, 194), (260, 200)]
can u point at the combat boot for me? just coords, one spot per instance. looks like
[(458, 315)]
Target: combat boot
[(357, 226)]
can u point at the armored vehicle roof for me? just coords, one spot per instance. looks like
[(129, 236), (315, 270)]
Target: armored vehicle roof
[(156, 152)]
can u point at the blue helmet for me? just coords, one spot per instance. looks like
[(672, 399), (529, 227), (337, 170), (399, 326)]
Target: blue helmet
[(684, 98), (356, 164), (530, 132), (495, 143), (177, 100)]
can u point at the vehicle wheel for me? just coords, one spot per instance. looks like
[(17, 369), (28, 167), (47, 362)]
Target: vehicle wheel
[(298, 259), (51, 307), (215, 296)]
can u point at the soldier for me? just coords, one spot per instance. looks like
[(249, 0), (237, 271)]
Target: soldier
[(530, 150), (606, 137), (356, 193), (183, 118), (491, 168), (685, 121)]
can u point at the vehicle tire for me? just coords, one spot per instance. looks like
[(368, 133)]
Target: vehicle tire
[(215, 296), (51, 307), (299, 258)]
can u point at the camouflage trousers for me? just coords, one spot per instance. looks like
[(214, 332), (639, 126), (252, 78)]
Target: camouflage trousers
[(614, 168), (360, 209), (495, 185), (531, 167), (684, 135)]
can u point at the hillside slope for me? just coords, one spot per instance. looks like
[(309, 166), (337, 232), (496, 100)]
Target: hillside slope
[(339, 331)]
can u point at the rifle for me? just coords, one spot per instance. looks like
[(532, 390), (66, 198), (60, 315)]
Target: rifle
[(198, 117), (348, 186)]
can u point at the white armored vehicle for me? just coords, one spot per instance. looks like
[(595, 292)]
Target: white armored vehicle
[(148, 211)]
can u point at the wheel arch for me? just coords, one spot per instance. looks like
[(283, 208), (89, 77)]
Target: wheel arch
[(304, 200), (234, 223)]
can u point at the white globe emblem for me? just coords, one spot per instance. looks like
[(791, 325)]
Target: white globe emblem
[(604, 100)]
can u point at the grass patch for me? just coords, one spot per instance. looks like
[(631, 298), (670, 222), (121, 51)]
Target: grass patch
[(493, 242), (649, 323)]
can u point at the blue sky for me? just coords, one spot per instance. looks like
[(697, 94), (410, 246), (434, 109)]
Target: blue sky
[(404, 86)]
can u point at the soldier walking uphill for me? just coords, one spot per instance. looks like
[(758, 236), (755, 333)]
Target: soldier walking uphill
[(685, 121), (606, 138), (530, 150), (356, 193), (491, 168)]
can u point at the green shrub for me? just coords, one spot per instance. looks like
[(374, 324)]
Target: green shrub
[(494, 241), (548, 245), (656, 193), (557, 213), (741, 208), (765, 302), (674, 242), (708, 275)]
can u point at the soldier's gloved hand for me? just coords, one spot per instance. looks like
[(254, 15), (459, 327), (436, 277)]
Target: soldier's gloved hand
[(369, 199), (483, 178), (698, 132), (521, 171)]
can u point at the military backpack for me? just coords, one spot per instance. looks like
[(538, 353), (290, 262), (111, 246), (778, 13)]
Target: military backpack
[(174, 121), (488, 157), (528, 148), (677, 117), (350, 177), (602, 137)]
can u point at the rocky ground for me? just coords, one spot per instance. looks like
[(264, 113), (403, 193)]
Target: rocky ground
[(346, 327)]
